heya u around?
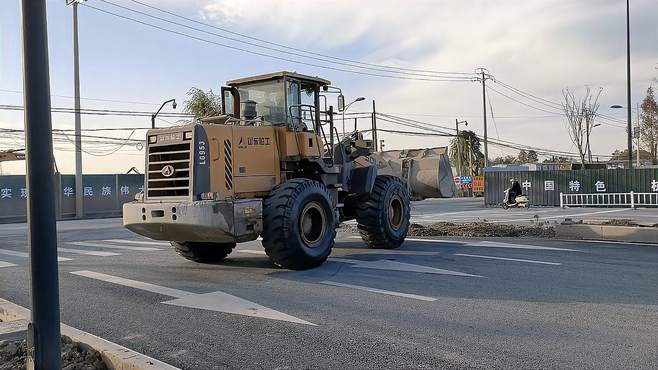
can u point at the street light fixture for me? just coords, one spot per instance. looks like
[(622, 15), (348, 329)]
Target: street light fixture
[(347, 107), (173, 105)]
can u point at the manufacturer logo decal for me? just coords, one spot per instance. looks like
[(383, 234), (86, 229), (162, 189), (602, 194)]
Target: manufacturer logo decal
[(168, 171), (253, 141)]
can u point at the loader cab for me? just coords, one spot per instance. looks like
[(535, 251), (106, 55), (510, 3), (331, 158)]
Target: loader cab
[(280, 99)]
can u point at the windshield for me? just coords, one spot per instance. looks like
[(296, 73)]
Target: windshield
[(269, 98)]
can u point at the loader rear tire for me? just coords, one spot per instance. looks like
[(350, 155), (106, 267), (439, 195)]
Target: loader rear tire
[(202, 252), (299, 224), (383, 217)]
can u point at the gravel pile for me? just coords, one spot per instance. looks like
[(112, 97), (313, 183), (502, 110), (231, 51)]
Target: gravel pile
[(481, 229), (474, 229), (13, 355)]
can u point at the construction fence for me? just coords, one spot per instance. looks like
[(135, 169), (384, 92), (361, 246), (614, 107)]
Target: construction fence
[(103, 195), (544, 187)]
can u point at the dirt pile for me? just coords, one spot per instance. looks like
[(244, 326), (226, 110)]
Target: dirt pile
[(481, 229), (13, 355)]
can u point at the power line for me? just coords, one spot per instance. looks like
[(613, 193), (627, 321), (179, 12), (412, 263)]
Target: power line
[(90, 99), (451, 79), (294, 48), (100, 112)]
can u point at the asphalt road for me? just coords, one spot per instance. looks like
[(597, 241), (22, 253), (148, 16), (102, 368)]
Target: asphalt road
[(462, 210), (515, 303)]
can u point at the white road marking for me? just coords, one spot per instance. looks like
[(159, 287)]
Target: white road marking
[(400, 266), (251, 251), (215, 301), (88, 253), (130, 241), (112, 246), (381, 291), (487, 244), (507, 259), (133, 284), (25, 255), (6, 264), (562, 216)]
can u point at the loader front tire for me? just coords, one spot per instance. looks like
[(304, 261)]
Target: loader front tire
[(383, 216), (299, 224), (203, 252)]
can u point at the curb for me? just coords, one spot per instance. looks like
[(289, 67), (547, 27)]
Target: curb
[(116, 357), (628, 234)]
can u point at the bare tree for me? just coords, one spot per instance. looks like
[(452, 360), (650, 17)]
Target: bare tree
[(580, 114)]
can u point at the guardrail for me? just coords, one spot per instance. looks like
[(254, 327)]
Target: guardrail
[(631, 200)]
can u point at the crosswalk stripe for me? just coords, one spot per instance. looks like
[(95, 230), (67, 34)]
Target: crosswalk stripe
[(8, 252), (380, 291), (120, 241), (112, 246), (6, 264), (88, 253)]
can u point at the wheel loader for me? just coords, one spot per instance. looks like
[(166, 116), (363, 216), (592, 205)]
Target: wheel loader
[(272, 166)]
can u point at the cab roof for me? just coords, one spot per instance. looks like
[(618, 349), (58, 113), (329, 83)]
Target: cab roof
[(277, 75)]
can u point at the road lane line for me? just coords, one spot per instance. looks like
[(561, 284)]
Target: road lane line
[(133, 284), (120, 241), (380, 291), (215, 301), (88, 253), (400, 266), (561, 216), (112, 246), (251, 251), (508, 259), (25, 255), (487, 244), (6, 264)]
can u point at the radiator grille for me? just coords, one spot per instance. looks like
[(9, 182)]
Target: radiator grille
[(169, 169), (228, 164)]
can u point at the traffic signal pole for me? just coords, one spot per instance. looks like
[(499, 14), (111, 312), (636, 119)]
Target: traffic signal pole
[(44, 329)]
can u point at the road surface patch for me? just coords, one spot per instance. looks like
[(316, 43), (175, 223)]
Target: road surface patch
[(380, 291), (400, 266), (215, 301), (508, 259), (8, 252), (95, 244)]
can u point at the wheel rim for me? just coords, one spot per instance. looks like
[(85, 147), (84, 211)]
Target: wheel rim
[(395, 212), (312, 225)]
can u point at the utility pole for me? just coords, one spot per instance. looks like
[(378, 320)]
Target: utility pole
[(43, 342), (79, 210), (639, 137), (628, 83), (459, 150), (374, 124), (484, 110)]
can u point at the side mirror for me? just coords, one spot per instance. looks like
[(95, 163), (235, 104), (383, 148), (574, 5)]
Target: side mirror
[(341, 103)]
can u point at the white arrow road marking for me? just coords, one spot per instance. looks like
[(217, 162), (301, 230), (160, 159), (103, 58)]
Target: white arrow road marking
[(215, 301), (88, 253), (6, 264), (507, 259), (120, 241), (381, 291), (111, 246), (25, 255), (486, 244), (400, 266)]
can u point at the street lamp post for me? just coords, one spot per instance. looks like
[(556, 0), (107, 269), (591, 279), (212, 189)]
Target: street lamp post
[(628, 83), (459, 150), (347, 107), (173, 105)]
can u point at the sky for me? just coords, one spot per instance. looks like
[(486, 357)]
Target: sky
[(538, 46)]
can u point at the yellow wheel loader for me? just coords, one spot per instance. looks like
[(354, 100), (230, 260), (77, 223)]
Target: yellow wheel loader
[(273, 166)]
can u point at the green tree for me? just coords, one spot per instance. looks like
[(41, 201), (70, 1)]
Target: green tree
[(471, 155), (508, 159), (202, 104), (649, 124)]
